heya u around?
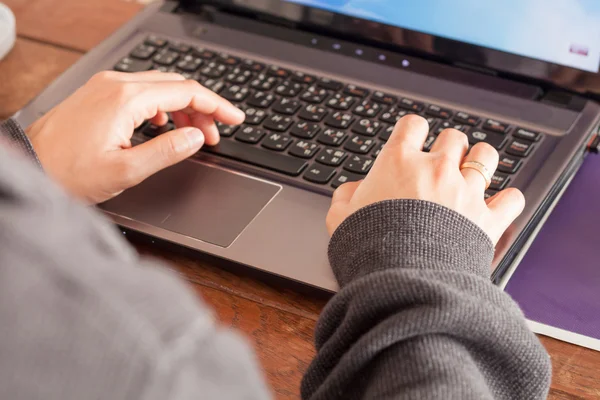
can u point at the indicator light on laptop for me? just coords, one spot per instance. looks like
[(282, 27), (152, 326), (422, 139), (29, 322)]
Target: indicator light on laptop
[(382, 57), (337, 46), (314, 41), (359, 52), (405, 63)]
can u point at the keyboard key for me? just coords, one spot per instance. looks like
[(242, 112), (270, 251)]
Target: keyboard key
[(239, 76), (341, 102), (356, 91), (332, 157), (226, 130), (279, 72), (439, 112), (429, 142), (154, 130), (131, 65), (392, 115), (305, 130), (387, 132), (358, 164), (164, 68), (250, 134), (251, 65), (189, 63), (254, 116), (313, 113), (301, 77), (495, 126), (228, 59), (339, 120), (359, 144), (277, 142), (449, 125), (278, 123), (465, 118), (489, 194), (367, 127), (236, 93), (180, 48), (519, 148), (526, 134), (332, 137), (289, 89), (156, 41), (166, 57), (508, 164), (330, 84), (345, 177), (214, 85), (383, 98), (314, 95), (411, 105), (368, 108), (213, 70), (499, 181), (319, 174), (377, 150), (261, 100), (287, 106), (204, 53), (264, 82), (304, 149), (256, 156), (143, 52), (494, 139)]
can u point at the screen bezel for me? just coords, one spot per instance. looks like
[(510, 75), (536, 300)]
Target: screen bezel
[(414, 43)]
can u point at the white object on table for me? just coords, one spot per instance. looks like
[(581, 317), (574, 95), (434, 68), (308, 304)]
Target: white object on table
[(7, 30)]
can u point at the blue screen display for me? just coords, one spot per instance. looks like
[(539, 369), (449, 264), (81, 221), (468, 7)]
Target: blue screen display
[(564, 32)]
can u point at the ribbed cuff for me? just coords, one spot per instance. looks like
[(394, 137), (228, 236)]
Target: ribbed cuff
[(11, 130), (408, 234)]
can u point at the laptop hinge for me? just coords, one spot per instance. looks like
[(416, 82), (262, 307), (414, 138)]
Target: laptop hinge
[(564, 99)]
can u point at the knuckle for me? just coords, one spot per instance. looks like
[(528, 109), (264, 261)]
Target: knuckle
[(169, 149), (125, 92), (104, 76), (126, 171)]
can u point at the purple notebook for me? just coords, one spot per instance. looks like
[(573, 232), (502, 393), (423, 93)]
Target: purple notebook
[(557, 284)]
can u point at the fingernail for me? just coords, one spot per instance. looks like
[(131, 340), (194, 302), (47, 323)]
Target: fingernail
[(240, 114), (195, 137)]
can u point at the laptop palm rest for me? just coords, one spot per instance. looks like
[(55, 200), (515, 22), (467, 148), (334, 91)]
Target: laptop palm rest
[(196, 200)]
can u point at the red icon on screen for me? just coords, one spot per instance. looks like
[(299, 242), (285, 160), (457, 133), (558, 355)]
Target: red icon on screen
[(578, 49)]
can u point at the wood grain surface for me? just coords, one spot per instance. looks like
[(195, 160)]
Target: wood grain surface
[(278, 321)]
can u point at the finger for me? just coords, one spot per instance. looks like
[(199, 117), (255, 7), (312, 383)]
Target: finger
[(144, 76), (180, 119), (345, 192), (452, 143), (160, 119), (187, 96), (410, 132), (206, 124), (163, 151), (484, 154), (505, 207)]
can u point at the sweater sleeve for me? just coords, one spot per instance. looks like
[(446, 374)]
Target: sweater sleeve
[(12, 132), (417, 316)]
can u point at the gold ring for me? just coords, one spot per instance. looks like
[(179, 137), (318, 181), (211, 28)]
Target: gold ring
[(479, 167)]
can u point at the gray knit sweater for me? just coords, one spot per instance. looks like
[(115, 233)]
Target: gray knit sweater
[(83, 317)]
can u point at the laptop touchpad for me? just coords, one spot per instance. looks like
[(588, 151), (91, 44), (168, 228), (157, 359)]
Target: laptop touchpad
[(196, 200)]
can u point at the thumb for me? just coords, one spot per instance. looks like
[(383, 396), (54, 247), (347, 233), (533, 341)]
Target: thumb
[(163, 151), (339, 209), (505, 207)]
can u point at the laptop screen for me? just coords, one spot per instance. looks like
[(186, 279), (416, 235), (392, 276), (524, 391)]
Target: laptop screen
[(556, 41), (563, 32)]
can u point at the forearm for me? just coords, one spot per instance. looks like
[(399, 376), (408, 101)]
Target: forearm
[(417, 316), (13, 134)]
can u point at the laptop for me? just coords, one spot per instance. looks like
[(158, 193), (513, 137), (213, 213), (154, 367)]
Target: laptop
[(322, 83)]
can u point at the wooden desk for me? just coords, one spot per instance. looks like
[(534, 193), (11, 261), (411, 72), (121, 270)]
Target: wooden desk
[(52, 35)]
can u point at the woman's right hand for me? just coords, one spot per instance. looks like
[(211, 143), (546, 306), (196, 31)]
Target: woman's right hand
[(404, 171)]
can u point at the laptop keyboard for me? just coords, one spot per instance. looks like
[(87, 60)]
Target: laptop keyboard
[(324, 132)]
